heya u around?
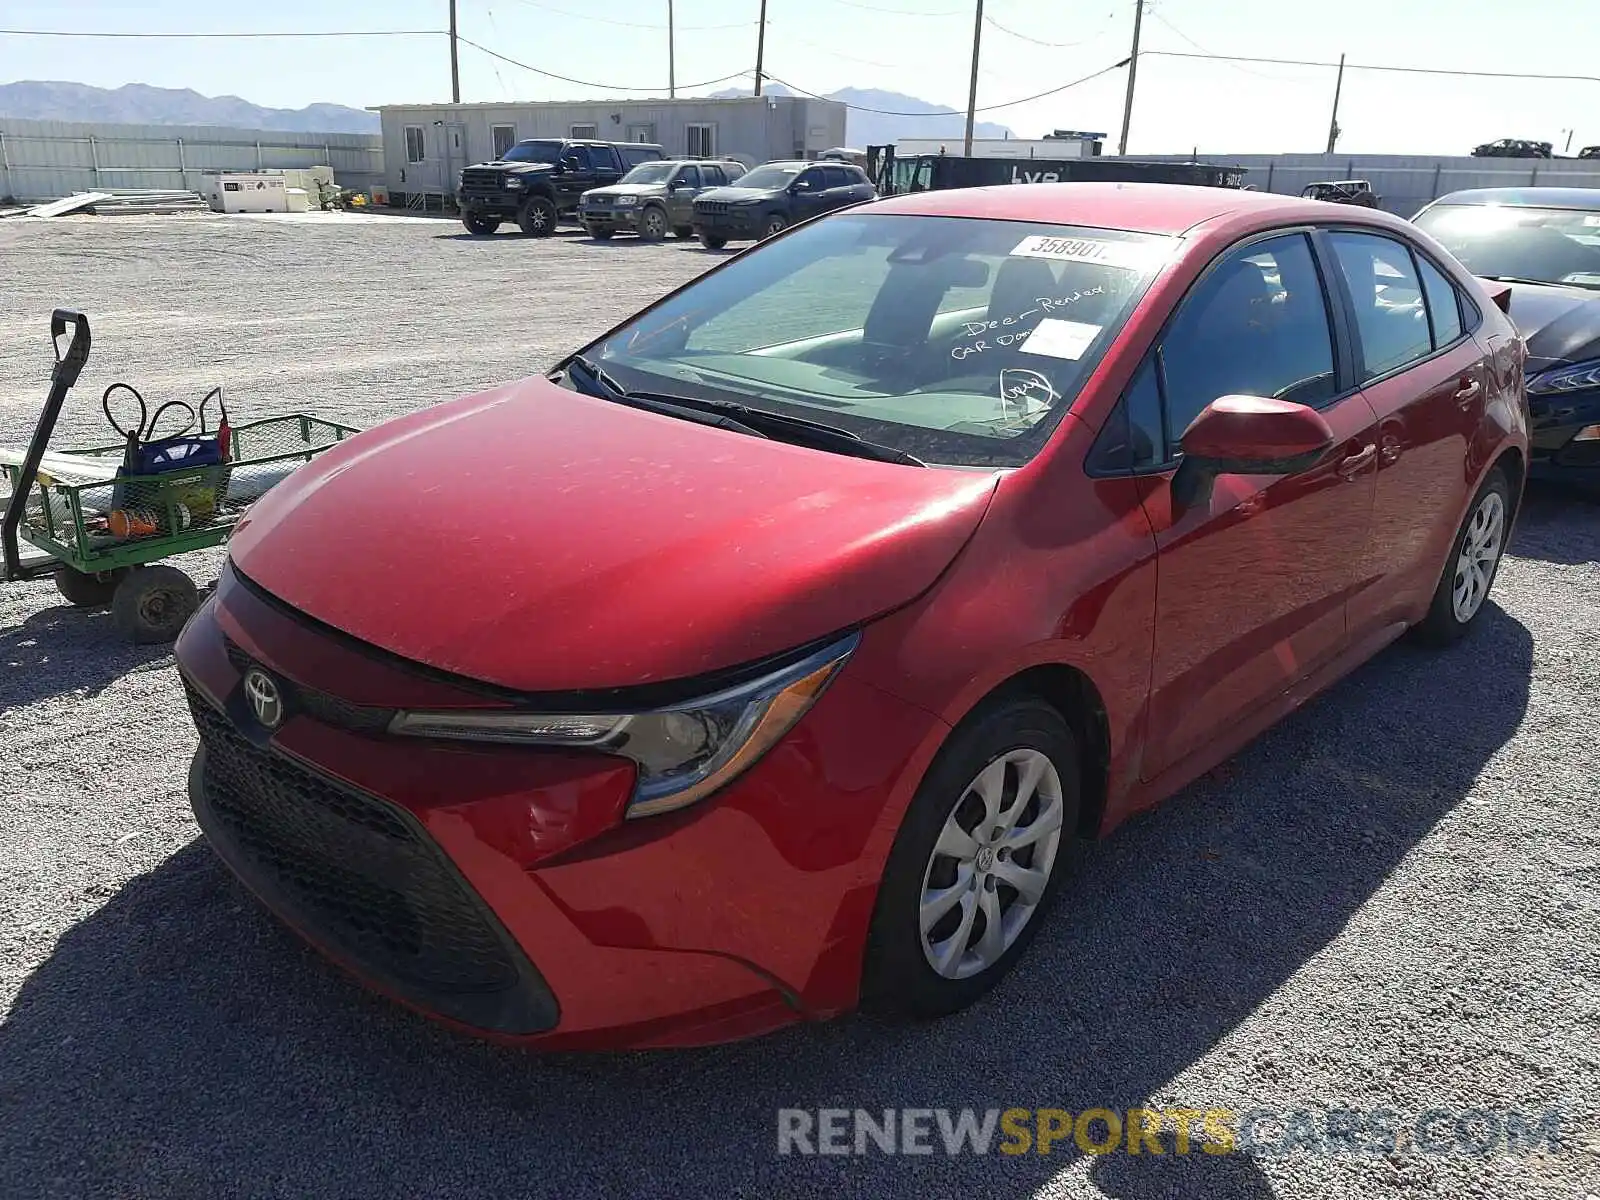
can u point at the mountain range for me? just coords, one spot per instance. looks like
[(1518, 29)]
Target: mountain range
[(876, 118), (140, 104)]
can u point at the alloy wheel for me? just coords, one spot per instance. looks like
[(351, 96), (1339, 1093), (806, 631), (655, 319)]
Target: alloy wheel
[(991, 864), (1480, 553)]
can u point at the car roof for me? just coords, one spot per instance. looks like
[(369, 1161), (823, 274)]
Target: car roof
[(1168, 208), (1528, 197)]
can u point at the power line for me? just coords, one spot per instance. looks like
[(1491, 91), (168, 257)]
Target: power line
[(550, 8), (321, 33), (604, 87), (990, 21), (1242, 70), (886, 112), (900, 12), (1350, 66)]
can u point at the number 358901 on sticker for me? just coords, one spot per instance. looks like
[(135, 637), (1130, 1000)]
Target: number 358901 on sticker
[(1130, 256)]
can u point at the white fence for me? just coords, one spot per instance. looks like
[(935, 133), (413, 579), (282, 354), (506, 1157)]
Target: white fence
[(1403, 182), (45, 160)]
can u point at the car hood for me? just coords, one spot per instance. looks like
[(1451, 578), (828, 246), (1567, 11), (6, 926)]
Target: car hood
[(733, 195), (1561, 324), (629, 189), (543, 540)]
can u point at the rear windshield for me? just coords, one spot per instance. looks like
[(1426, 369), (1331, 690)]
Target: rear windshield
[(1552, 245), (961, 341), (540, 152)]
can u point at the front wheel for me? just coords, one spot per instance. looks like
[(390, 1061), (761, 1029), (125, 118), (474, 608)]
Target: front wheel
[(1474, 561), (601, 235), (712, 242), (151, 604), (976, 863), (537, 217), (480, 224), (652, 224), (683, 232), (775, 224)]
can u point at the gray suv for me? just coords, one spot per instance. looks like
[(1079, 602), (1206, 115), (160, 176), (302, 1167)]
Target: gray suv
[(653, 198)]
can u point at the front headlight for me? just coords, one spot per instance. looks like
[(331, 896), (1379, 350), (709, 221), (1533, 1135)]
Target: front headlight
[(685, 752), (1566, 379), (513, 181), (627, 201)]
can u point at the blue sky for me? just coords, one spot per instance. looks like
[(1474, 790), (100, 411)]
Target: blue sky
[(821, 45)]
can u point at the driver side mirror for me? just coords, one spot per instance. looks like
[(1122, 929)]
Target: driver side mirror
[(1247, 435), (570, 163)]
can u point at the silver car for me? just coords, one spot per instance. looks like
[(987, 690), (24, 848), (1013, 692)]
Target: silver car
[(653, 198)]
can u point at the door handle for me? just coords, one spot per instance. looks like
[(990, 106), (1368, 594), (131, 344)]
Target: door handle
[(1468, 392), (1352, 466)]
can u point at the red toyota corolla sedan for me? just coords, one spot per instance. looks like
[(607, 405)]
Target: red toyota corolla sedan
[(760, 660)]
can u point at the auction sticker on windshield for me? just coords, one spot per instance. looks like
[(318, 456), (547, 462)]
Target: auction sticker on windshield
[(1128, 255), (1060, 339)]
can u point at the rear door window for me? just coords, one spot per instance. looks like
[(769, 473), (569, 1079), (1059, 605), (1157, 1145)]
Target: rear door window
[(1391, 317), (689, 175), (1444, 304), (714, 176)]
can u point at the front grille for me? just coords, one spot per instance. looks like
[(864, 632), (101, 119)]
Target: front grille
[(361, 876), (330, 710), (482, 179), (711, 207)]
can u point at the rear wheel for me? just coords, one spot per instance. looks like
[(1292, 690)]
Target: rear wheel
[(712, 242), (480, 224), (151, 604), (537, 217), (87, 591), (652, 224), (775, 224), (977, 861), (1474, 562)]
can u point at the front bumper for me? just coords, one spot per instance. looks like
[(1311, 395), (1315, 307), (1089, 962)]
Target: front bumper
[(621, 220), (732, 225), (497, 888), (501, 203), (1554, 452)]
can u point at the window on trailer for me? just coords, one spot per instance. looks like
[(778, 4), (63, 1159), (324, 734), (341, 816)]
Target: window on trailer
[(416, 147), (702, 141), (504, 137), (585, 131)]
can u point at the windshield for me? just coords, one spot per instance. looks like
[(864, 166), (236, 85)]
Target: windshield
[(958, 340), (1553, 245), (650, 172), (539, 152), (769, 176)]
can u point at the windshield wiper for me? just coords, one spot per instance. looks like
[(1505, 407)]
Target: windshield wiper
[(607, 388), (759, 421)]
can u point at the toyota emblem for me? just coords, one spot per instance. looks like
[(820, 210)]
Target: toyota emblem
[(265, 700)]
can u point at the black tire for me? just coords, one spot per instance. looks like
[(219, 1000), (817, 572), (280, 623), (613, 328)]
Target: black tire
[(774, 225), (151, 604), (1442, 625), (601, 235), (538, 216), (683, 232), (87, 591), (480, 224), (712, 242), (652, 223), (898, 979)]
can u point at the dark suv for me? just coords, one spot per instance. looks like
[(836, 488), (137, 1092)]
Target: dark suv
[(538, 182), (774, 196), (655, 197)]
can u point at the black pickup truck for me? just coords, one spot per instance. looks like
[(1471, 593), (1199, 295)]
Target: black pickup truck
[(537, 182)]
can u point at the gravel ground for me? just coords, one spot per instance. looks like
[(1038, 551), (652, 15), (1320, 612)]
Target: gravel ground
[(1387, 902)]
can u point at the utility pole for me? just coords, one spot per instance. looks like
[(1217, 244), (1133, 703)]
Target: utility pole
[(972, 92), (455, 61), (1133, 71), (1333, 122), (672, 59), (761, 44)]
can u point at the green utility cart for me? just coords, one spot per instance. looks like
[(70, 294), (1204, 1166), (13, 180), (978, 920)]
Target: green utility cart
[(100, 519)]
